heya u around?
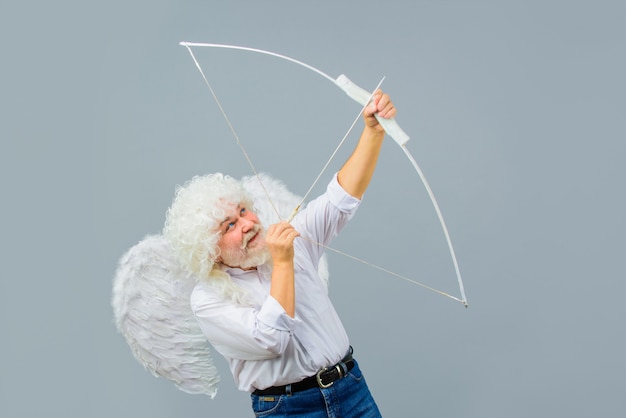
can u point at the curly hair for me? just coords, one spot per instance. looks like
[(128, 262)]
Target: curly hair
[(192, 221)]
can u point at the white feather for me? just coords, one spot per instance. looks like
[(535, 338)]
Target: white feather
[(151, 306)]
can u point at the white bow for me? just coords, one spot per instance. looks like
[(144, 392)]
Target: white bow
[(362, 97)]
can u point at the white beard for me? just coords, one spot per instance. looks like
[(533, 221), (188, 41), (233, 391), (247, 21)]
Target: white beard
[(245, 257)]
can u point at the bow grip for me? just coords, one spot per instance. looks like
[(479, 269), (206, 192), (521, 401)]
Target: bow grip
[(362, 96)]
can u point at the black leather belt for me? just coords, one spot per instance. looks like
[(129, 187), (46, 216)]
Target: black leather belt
[(323, 379)]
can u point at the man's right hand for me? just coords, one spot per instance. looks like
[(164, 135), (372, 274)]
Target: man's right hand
[(279, 240)]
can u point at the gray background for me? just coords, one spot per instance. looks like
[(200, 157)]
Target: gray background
[(516, 112)]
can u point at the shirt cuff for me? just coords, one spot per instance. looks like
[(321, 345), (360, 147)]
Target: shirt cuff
[(340, 198), (273, 315)]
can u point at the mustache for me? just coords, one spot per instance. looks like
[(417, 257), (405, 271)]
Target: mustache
[(256, 229)]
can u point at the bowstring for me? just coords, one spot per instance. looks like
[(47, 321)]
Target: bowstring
[(233, 131), (256, 174), (332, 156), (392, 273)]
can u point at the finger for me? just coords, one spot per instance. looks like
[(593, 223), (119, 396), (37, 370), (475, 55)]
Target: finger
[(293, 234), (386, 108), (388, 112), (289, 234), (380, 104), (271, 232), (372, 106), (376, 98), (383, 101), (274, 232), (370, 109), (278, 227)]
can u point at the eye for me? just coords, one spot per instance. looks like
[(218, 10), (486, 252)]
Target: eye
[(229, 225), (242, 212)]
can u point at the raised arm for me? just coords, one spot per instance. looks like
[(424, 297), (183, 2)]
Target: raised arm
[(356, 173)]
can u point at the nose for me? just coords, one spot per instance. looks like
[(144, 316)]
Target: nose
[(246, 224)]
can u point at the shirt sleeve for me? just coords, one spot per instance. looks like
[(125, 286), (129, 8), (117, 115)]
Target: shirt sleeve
[(242, 332), (324, 217), (340, 199)]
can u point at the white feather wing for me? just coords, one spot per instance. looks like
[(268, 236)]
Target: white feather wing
[(151, 307), (151, 300)]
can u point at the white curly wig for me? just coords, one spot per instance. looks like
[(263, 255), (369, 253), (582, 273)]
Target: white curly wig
[(191, 224)]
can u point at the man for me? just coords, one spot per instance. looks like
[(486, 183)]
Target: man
[(260, 301)]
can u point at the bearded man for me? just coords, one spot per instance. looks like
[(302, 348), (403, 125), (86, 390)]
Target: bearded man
[(259, 299)]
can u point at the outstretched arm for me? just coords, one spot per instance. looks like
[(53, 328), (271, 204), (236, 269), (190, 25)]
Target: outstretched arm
[(356, 173)]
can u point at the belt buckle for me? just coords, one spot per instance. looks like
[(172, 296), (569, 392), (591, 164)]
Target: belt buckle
[(318, 376)]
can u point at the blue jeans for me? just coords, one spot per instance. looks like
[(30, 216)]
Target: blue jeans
[(346, 398)]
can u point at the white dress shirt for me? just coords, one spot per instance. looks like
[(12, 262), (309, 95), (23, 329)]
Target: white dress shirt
[(263, 345)]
